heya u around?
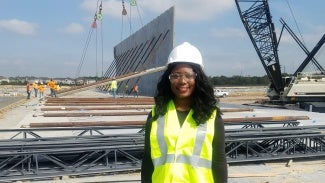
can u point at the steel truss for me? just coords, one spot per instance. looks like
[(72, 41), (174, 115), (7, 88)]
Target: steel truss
[(28, 155), (274, 143), (264, 124), (42, 153)]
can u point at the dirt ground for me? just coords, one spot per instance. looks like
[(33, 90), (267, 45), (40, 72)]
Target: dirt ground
[(244, 97)]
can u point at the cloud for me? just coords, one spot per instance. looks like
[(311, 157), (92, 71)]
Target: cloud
[(3, 62), (309, 38), (18, 26), (315, 35), (112, 8), (69, 64), (189, 10), (14, 63), (228, 33), (73, 28), (11, 67)]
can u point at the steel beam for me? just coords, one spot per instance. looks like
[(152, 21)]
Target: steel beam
[(35, 156), (245, 122)]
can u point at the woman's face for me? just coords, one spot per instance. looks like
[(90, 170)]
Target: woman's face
[(182, 81)]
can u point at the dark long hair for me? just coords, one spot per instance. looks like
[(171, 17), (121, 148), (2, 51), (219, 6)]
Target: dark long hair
[(204, 101)]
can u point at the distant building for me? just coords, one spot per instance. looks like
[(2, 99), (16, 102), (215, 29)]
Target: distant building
[(68, 82), (4, 79)]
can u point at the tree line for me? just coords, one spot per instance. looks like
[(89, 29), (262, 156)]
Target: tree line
[(215, 80), (239, 80)]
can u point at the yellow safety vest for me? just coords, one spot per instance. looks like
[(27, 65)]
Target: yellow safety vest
[(114, 84), (41, 88), (181, 153), (35, 86)]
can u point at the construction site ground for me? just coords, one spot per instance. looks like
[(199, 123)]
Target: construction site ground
[(22, 112)]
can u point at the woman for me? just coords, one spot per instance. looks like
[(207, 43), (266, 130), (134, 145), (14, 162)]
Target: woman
[(184, 135)]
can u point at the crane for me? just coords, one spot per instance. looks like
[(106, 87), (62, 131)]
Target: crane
[(298, 87)]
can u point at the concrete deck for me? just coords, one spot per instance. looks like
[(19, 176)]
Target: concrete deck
[(296, 171)]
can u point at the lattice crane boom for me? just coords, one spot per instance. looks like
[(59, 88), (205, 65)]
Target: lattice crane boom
[(257, 21)]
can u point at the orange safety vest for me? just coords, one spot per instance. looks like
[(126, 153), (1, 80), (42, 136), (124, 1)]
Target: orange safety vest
[(41, 88), (136, 88), (35, 85), (51, 84)]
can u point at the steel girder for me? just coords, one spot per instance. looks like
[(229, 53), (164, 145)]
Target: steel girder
[(274, 143), (40, 157), (264, 124), (34, 154)]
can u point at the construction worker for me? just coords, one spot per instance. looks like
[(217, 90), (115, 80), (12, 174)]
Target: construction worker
[(113, 87), (41, 89), (136, 90), (126, 90), (28, 89), (57, 88), (51, 84), (35, 86), (184, 133)]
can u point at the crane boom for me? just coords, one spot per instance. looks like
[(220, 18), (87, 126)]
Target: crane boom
[(257, 21), (311, 55), (303, 47), (302, 88)]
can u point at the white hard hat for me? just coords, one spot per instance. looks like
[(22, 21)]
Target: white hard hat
[(185, 52)]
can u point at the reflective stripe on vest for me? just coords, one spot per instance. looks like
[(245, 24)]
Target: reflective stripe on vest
[(189, 144), (193, 160)]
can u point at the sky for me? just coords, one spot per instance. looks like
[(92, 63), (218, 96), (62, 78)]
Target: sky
[(51, 38)]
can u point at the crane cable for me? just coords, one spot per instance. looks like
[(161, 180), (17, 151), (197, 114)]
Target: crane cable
[(100, 17), (303, 41), (97, 16), (124, 13), (84, 52), (294, 18), (102, 43), (136, 4)]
